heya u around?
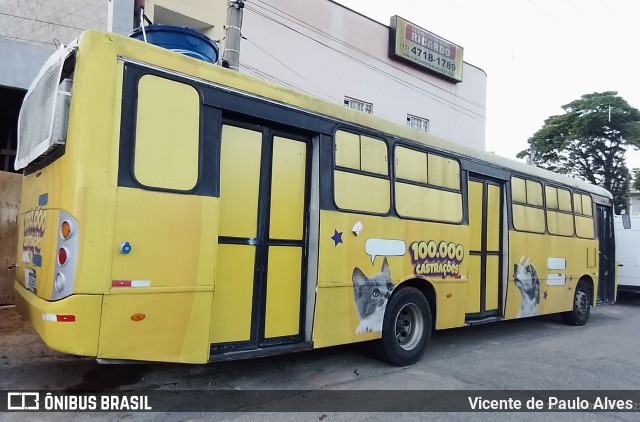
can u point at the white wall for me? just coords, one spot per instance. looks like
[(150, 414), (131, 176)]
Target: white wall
[(42, 22), (20, 62), (316, 46), (29, 29), (634, 202), (325, 49)]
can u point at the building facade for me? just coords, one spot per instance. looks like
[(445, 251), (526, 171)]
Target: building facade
[(317, 46), (633, 203)]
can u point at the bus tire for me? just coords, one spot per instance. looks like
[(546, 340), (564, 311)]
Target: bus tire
[(579, 315), (406, 328)]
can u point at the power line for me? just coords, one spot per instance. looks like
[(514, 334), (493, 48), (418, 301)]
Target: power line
[(318, 31), (293, 71), (474, 115), (26, 39), (580, 12), (274, 79), (101, 22), (544, 11), (340, 41), (42, 21)]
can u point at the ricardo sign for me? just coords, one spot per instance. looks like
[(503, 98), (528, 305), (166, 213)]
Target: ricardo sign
[(422, 48)]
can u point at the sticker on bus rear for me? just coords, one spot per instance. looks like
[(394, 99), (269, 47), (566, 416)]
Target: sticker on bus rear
[(34, 225), (30, 280)]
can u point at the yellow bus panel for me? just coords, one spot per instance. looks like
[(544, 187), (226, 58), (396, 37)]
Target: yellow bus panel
[(428, 203), (556, 262), (347, 150), (560, 223), (288, 182), (444, 172), (284, 277), (493, 218), (475, 216), (233, 294), (373, 156), (473, 284), (167, 134), (492, 282), (79, 337), (239, 181), (170, 237), (411, 165), (584, 227), (361, 193), (168, 327)]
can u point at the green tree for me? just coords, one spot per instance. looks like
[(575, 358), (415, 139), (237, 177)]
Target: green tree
[(588, 142)]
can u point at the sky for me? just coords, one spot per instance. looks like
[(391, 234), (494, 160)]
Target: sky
[(538, 54)]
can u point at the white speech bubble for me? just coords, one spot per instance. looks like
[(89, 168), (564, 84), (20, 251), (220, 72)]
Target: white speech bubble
[(384, 247)]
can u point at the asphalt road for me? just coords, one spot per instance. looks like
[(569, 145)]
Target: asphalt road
[(535, 354)]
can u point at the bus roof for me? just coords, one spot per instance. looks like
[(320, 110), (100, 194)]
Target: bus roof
[(128, 48)]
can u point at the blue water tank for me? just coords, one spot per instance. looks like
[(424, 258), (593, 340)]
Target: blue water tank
[(183, 40)]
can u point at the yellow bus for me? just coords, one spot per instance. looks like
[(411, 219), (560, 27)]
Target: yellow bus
[(173, 210)]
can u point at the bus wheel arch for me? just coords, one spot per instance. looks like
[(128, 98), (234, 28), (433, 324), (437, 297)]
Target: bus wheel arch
[(407, 324), (428, 291), (581, 304)]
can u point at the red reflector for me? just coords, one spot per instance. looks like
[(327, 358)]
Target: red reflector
[(66, 318), (62, 256), (121, 283)]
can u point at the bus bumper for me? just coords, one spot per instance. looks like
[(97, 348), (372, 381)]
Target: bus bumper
[(70, 325)]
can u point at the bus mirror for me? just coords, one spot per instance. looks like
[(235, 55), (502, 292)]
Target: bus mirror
[(626, 221)]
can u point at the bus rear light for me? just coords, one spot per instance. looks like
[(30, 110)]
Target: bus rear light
[(62, 256), (66, 256), (59, 282), (65, 230)]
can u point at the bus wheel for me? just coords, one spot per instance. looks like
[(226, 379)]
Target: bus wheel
[(581, 306), (406, 328)]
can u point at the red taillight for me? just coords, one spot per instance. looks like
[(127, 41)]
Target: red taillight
[(62, 256)]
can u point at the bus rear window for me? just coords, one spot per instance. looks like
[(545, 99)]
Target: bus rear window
[(167, 134)]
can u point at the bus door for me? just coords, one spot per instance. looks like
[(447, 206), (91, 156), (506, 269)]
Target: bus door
[(607, 253), (484, 288), (261, 264)]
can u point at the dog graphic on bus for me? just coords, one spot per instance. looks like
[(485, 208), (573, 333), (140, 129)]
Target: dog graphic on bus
[(526, 279)]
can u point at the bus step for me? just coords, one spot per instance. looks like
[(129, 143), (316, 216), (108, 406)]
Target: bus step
[(484, 320), (260, 351)]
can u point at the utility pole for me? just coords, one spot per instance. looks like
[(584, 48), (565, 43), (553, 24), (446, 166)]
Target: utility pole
[(233, 35)]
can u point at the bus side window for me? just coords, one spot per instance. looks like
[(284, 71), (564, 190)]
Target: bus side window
[(528, 213), (425, 180), (167, 141), (361, 174), (559, 215), (583, 216)]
